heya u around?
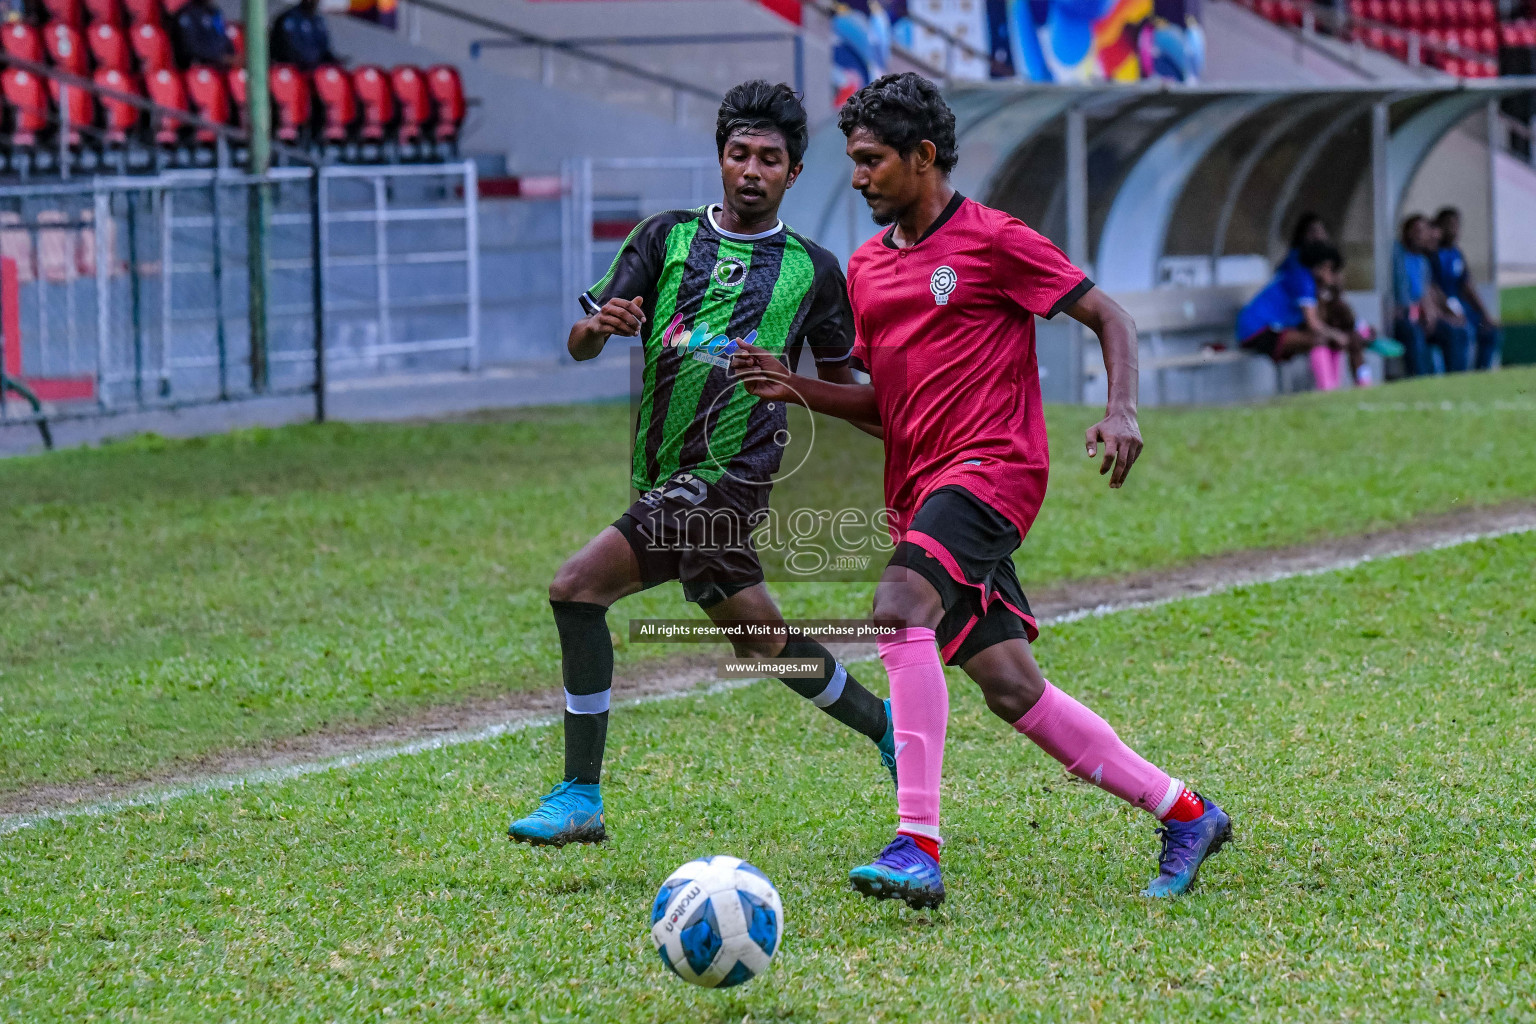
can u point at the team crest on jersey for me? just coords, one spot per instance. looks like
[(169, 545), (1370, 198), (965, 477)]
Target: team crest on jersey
[(730, 272), (942, 284)]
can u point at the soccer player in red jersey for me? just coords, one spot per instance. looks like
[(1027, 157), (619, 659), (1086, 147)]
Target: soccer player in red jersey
[(944, 303)]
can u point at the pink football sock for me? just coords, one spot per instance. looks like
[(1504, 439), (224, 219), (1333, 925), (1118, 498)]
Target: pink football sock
[(1092, 751), (920, 709), (1325, 368)]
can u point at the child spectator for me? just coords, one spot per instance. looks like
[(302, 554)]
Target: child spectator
[(1283, 319)]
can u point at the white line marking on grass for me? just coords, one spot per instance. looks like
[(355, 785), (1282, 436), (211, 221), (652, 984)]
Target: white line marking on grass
[(13, 823)]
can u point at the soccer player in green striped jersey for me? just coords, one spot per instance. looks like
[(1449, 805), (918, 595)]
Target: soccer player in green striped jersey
[(691, 285)]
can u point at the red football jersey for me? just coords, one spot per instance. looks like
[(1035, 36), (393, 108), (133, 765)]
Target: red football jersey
[(946, 330)]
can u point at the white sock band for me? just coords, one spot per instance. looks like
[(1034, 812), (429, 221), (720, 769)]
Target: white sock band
[(587, 703), (1175, 787), (826, 698), (913, 828)]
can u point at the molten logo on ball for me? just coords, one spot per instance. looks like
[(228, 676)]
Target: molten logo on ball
[(717, 922)]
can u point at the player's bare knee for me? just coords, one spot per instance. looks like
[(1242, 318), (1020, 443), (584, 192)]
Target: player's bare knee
[(900, 604), (574, 582)]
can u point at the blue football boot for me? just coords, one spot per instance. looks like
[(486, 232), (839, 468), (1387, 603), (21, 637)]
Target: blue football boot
[(1186, 846), (572, 812), (888, 744), (901, 872)]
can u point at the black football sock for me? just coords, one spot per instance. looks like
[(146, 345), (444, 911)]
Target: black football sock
[(586, 665), (836, 692)]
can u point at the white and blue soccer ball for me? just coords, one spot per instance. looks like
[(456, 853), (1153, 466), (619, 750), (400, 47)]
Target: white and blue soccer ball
[(717, 922)]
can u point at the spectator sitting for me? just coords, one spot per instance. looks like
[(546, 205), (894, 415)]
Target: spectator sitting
[(1332, 308), (1422, 317), (199, 36), (1283, 320), (1449, 269), (299, 37)]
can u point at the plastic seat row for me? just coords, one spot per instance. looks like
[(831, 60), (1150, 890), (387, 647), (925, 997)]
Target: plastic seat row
[(117, 12), (406, 107), (1428, 14), (145, 47)]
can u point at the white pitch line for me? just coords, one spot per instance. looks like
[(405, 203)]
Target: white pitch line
[(13, 823)]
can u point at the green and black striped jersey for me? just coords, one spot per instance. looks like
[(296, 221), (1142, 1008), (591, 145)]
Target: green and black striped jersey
[(704, 287)]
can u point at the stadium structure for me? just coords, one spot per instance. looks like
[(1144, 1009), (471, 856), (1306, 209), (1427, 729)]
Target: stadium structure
[(170, 236)]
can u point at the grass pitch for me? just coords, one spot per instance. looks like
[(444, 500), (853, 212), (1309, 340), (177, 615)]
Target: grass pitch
[(1372, 732), (161, 600)]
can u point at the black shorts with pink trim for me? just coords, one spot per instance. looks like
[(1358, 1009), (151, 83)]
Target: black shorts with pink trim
[(964, 547)]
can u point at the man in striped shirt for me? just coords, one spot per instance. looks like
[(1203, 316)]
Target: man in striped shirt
[(692, 285)]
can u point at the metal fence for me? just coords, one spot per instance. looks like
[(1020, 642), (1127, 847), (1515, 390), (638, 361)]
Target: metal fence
[(128, 293)]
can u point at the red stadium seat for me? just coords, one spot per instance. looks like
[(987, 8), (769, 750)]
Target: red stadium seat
[(1397, 45), (1433, 16), (333, 87), (292, 102), (22, 41), (377, 99), (1467, 37), (1397, 13), (140, 11), (235, 33), (110, 47), (239, 93), (28, 100), (1375, 38), (1415, 14), (109, 11), (415, 103), (121, 117), (81, 105), (1452, 66), (447, 90), (167, 90), (1487, 13), (173, 7), (1377, 10), (68, 11), (153, 47), (66, 48), (208, 90)]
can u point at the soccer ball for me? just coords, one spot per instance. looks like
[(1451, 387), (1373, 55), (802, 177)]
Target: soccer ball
[(717, 922)]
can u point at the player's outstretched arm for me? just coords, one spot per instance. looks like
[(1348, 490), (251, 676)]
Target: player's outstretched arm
[(843, 374), (761, 373), (1118, 432), (617, 316)]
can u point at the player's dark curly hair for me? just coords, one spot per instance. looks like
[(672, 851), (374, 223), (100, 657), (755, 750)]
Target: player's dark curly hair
[(1315, 254), (759, 106), (901, 111)]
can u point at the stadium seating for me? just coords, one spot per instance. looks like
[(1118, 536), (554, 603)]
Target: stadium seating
[(66, 49), (1461, 37), (110, 47), (22, 41), (66, 12), (167, 90), (28, 99), (152, 46), (376, 96), (124, 46), (120, 117), (105, 11), (415, 103), (141, 11), (292, 103), (338, 100), (447, 90), (208, 89)]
